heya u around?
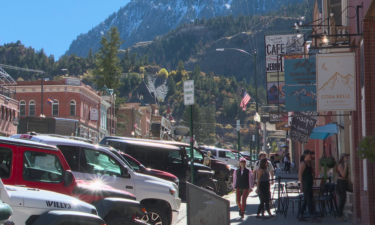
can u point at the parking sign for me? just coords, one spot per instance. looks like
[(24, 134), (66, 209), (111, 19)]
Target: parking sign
[(189, 92)]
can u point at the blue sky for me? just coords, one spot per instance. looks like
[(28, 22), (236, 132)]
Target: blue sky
[(51, 24)]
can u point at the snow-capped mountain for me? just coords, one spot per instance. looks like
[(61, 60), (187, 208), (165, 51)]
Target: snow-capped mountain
[(143, 20)]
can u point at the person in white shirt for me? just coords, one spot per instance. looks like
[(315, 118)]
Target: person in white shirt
[(270, 169)]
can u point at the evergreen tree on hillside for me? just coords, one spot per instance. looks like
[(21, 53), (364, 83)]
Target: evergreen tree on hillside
[(108, 71), (210, 125), (198, 128), (171, 86)]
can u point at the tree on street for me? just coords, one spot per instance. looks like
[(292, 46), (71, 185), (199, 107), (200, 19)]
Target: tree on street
[(108, 68)]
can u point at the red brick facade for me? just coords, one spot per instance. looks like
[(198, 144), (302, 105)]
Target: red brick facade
[(84, 97)]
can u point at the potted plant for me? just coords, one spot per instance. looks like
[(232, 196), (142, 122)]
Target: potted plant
[(366, 149), (327, 161)]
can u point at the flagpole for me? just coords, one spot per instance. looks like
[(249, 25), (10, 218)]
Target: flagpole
[(41, 103)]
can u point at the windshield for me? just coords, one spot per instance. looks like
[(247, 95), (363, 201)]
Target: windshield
[(135, 164), (197, 154), (229, 154), (41, 167), (122, 159)]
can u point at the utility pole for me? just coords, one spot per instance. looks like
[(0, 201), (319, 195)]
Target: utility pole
[(256, 100), (239, 139)]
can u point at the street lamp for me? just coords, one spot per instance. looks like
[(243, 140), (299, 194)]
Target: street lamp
[(253, 56)]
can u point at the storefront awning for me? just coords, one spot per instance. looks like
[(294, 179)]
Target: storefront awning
[(324, 132)]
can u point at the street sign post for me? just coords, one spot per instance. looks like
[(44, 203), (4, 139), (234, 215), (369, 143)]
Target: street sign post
[(189, 100)]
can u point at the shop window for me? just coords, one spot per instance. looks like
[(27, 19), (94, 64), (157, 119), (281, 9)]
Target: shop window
[(55, 108), (32, 108), (22, 108), (335, 8), (72, 108)]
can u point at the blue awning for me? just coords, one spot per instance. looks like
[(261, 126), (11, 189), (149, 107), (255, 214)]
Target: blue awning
[(324, 132)]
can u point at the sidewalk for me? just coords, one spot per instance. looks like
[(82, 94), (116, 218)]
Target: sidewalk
[(252, 207)]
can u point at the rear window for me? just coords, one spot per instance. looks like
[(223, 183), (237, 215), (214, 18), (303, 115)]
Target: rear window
[(5, 162), (42, 167)]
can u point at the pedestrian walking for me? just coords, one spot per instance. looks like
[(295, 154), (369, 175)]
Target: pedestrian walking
[(287, 163), (343, 184), (306, 179), (270, 169), (263, 190), (243, 184)]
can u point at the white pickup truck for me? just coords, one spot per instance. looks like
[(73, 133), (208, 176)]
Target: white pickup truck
[(36, 207)]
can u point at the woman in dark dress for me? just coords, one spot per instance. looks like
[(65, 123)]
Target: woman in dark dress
[(263, 189)]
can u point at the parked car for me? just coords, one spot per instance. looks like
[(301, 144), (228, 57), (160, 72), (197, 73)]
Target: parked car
[(168, 158), (140, 168), (223, 155), (242, 155), (95, 163), (222, 170), (41, 166), (32, 206)]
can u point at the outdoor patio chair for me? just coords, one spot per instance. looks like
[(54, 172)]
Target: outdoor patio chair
[(293, 194)]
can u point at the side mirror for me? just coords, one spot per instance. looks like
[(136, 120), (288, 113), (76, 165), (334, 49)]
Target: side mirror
[(125, 172), (68, 178)]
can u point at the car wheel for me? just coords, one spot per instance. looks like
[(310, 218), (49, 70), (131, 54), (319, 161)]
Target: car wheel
[(207, 184), (154, 216), (221, 187)]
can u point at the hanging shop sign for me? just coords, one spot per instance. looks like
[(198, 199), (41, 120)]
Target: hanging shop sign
[(302, 125), (275, 116), (281, 44), (274, 90), (336, 86), (300, 71), (283, 125), (94, 114), (272, 77), (300, 98), (300, 88)]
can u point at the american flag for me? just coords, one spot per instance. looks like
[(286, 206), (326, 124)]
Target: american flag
[(245, 99)]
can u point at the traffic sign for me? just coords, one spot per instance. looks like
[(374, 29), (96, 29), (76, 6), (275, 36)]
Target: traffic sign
[(238, 125), (189, 92)]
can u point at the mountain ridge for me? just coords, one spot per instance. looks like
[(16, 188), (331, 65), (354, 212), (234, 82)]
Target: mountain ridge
[(338, 79), (142, 20)]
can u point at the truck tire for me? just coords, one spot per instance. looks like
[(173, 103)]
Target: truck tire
[(206, 183), (222, 188), (119, 220), (155, 215)]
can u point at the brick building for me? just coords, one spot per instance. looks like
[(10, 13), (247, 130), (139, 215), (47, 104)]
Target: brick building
[(363, 123), (71, 100), (356, 18), (8, 105)]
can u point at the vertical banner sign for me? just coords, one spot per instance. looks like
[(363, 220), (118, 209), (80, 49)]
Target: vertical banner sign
[(189, 92), (277, 45), (300, 88), (302, 125), (281, 44), (336, 85), (275, 89)]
